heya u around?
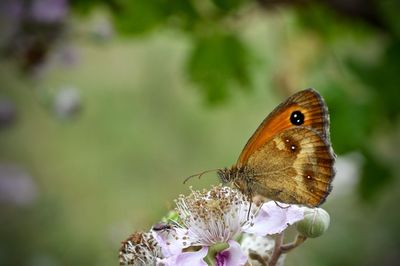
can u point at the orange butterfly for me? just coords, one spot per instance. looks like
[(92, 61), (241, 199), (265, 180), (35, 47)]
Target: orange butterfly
[(289, 158)]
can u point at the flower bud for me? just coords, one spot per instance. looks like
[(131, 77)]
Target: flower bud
[(315, 223)]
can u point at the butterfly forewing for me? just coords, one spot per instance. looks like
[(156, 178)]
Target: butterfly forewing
[(305, 108)]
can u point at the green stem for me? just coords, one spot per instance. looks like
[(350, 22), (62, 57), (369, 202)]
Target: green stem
[(255, 256), (210, 259), (297, 242)]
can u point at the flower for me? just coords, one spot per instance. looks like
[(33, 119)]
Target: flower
[(140, 249), (315, 223), (209, 218), (17, 187), (8, 112), (213, 216), (49, 11), (67, 102)]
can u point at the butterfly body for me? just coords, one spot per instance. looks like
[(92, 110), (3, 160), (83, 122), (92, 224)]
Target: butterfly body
[(289, 158)]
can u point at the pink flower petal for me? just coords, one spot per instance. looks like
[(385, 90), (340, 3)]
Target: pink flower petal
[(232, 256), (273, 219), (191, 258), (171, 241), (167, 261)]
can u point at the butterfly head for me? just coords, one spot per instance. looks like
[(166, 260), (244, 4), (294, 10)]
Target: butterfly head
[(225, 175), (238, 177), (230, 175)]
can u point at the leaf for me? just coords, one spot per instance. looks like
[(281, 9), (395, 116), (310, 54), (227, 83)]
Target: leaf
[(383, 78), (138, 16), (375, 176), (390, 13), (351, 115), (217, 63), (229, 5)]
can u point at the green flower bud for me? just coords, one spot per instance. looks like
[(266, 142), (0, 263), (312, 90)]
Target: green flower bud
[(315, 223)]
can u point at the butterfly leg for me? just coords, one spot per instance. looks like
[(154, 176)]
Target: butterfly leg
[(250, 199), (277, 204)]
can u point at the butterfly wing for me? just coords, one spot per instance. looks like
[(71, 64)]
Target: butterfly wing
[(305, 108), (295, 166)]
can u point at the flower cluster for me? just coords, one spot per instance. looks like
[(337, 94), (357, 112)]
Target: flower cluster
[(216, 227)]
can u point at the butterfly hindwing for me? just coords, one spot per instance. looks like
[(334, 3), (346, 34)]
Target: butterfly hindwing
[(295, 166)]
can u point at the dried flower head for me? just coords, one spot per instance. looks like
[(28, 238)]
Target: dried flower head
[(140, 249)]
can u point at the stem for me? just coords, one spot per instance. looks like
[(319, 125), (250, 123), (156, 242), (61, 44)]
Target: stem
[(277, 250), (297, 242), (280, 249), (255, 256), (211, 259)]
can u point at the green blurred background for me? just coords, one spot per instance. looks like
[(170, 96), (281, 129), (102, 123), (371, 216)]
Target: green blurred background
[(106, 106)]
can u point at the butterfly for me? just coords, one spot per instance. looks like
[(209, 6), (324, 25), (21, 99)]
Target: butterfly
[(289, 157)]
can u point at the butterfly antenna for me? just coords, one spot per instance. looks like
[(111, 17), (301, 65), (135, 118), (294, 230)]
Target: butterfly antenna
[(199, 175)]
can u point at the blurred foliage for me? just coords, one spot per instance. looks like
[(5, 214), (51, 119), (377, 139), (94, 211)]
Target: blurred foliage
[(348, 50), (221, 61), (383, 78), (376, 174), (218, 63)]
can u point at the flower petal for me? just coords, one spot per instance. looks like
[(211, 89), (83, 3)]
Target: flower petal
[(167, 261), (273, 219), (232, 256), (171, 241), (191, 258)]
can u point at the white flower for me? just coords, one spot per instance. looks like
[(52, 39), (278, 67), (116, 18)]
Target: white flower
[(208, 218), (213, 216)]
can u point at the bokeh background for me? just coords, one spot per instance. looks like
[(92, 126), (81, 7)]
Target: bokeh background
[(106, 106)]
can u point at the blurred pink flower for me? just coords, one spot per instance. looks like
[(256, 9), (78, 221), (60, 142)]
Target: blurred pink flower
[(8, 112), (16, 186), (49, 11)]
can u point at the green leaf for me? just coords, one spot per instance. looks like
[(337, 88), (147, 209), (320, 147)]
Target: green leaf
[(390, 13), (384, 79), (138, 16), (217, 63), (351, 115), (375, 176), (84, 7), (229, 5)]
